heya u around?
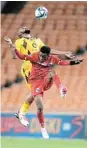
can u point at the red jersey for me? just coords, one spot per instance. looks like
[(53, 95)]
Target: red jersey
[(40, 70)]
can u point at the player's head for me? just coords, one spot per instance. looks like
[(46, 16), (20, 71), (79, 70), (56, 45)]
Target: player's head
[(24, 32), (44, 53)]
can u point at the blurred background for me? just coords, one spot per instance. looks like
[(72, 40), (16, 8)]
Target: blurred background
[(64, 29)]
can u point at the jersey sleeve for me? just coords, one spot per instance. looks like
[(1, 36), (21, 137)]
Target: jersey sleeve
[(56, 60)]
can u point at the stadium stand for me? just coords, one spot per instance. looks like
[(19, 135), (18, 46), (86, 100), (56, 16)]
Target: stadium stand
[(65, 28)]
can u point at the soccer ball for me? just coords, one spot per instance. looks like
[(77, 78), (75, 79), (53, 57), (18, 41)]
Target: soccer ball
[(41, 13)]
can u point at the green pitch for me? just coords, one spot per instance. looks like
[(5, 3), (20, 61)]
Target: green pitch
[(41, 143)]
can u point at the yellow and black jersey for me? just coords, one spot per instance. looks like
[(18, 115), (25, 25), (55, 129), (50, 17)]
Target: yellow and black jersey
[(26, 47)]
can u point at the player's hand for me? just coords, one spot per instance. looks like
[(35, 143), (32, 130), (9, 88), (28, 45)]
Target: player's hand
[(11, 45), (7, 40), (75, 62)]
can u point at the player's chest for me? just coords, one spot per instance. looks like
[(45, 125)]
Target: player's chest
[(33, 45), (45, 64)]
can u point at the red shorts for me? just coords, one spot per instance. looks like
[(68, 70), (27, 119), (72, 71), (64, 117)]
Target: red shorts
[(41, 85)]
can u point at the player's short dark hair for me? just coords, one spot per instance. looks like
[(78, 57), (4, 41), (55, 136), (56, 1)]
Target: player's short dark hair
[(45, 49)]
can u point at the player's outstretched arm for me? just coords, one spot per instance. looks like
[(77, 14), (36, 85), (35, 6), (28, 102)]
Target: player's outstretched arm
[(72, 62), (66, 62)]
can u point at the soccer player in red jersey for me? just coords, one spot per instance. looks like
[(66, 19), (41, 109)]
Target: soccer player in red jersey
[(41, 78)]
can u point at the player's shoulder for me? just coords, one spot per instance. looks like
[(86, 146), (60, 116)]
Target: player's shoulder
[(38, 39), (19, 40), (35, 38)]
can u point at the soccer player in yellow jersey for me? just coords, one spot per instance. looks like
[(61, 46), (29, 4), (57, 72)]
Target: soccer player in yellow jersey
[(27, 45)]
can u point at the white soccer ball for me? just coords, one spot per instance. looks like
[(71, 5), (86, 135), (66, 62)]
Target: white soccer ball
[(41, 13)]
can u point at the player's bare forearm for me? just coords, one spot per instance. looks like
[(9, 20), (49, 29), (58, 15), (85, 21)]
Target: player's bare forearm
[(63, 55), (58, 61), (53, 51)]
